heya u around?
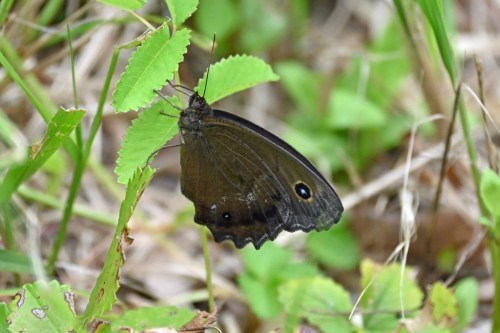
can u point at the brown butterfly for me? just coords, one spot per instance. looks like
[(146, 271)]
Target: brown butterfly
[(247, 184)]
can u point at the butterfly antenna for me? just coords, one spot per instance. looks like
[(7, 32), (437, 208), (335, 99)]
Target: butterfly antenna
[(209, 63), (169, 102), (179, 87)]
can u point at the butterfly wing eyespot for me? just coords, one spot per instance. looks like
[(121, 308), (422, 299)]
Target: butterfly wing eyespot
[(302, 191)]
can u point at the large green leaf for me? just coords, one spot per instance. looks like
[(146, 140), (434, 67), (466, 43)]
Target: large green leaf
[(103, 295), (146, 318), (150, 67), (181, 9), (234, 74), (147, 134), (321, 301), (43, 308)]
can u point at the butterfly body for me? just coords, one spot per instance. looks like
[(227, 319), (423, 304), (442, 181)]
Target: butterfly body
[(248, 185)]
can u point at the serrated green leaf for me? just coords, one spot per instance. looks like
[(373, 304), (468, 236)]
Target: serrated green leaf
[(490, 192), (147, 134), (234, 74), (12, 261), (59, 128), (336, 247), (467, 294), (103, 295), (145, 318), (153, 64), (125, 4), (321, 301), (347, 110), (444, 303), (181, 9), (43, 308), (384, 294), (266, 270)]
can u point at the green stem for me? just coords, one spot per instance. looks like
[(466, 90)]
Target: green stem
[(208, 270), (495, 260), (68, 211), (81, 163)]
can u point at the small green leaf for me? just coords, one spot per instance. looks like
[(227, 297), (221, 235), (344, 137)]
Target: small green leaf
[(153, 64), (103, 295), (59, 129), (146, 318), (217, 16), (234, 74), (467, 294), (181, 9), (336, 247), (147, 134), (347, 110), (490, 192), (12, 261), (444, 303), (321, 301), (384, 294), (125, 4), (43, 307), (302, 84)]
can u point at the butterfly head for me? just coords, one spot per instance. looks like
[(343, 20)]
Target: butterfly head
[(191, 119)]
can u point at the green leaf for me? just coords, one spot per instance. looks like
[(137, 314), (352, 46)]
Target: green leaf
[(302, 84), (125, 4), (384, 294), (59, 129), (467, 295), (490, 192), (181, 9), (336, 247), (261, 32), (444, 303), (103, 295), (217, 16), (153, 64), (348, 110), (262, 297), (43, 307), (266, 261), (4, 313), (266, 270), (234, 74), (146, 318), (147, 134), (321, 301), (433, 10), (12, 261)]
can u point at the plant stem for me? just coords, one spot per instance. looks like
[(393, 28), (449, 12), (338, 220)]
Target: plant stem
[(495, 263), (208, 270)]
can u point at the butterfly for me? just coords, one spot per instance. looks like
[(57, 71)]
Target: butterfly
[(247, 185)]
